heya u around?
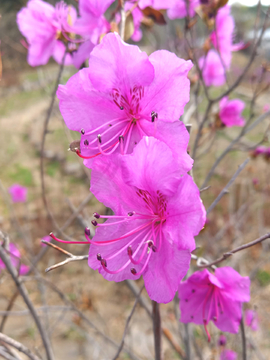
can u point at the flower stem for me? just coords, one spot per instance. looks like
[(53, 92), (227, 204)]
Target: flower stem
[(157, 330), (244, 343)]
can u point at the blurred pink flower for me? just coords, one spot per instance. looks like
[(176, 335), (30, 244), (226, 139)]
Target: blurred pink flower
[(156, 4), (178, 9), (260, 150), (158, 213), (227, 354), (266, 107), (124, 95), (222, 37), (213, 71), (46, 238), (222, 340), (252, 319), (43, 26), (15, 256), (137, 18), (230, 112), (18, 193), (255, 181), (204, 297)]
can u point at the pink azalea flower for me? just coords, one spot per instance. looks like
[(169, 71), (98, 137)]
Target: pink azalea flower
[(252, 319), (92, 24), (157, 214), (44, 26), (15, 256), (213, 71), (222, 37), (18, 193), (222, 340), (204, 297), (227, 354), (230, 112), (266, 107), (260, 150), (123, 96), (179, 9)]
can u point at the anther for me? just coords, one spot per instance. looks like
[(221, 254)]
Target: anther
[(96, 215), (154, 116), (87, 231), (154, 248), (82, 131), (103, 262), (129, 251), (99, 257), (121, 138), (86, 142), (193, 291), (99, 138), (186, 300), (214, 318), (133, 271), (121, 108), (131, 213), (94, 222)]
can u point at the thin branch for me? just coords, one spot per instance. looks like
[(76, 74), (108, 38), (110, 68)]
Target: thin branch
[(225, 190), (127, 324), (157, 329), (68, 260), (123, 20), (20, 347), (244, 341), (239, 248), (28, 302)]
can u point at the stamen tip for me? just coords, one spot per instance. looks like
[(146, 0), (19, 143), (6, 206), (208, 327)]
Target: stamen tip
[(87, 231), (99, 257), (82, 131), (133, 271), (96, 215), (94, 222)]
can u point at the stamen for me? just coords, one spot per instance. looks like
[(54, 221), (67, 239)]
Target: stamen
[(104, 265), (99, 257), (99, 138), (86, 142), (145, 264), (67, 242), (96, 215), (121, 141), (94, 222), (82, 131), (133, 271), (87, 231), (131, 213), (154, 116), (128, 137)]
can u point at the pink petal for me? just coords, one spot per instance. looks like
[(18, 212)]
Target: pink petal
[(175, 136), (117, 64), (212, 69), (170, 83), (165, 270), (237, 286), (82, 54), (188, 214)]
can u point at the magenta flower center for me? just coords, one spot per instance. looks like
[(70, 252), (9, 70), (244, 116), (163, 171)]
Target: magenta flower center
[(145, 239), (106, 138)]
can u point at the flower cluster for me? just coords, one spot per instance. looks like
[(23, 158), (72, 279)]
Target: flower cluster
[(261, 151), (18, 193)]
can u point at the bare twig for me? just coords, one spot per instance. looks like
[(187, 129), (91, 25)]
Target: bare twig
[(157, 329), (239, 248), (225, 190), (127, 324), (187, 342), (244, 341), (28, 302), (123, 20), (20, 347)]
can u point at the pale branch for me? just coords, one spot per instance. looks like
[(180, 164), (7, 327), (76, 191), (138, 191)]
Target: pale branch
[(27, 301), (123, 20), (127, 324), (39, 309), (244, 340), (239, 248), (17, 345), (157, 329), (225, 190)]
